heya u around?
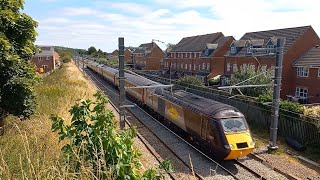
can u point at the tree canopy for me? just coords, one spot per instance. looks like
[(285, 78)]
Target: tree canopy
[(247, 72), (17, 73), (92, 50)]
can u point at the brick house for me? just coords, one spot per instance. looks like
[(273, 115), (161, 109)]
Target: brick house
[(115, 54), (307, 77), (298, 41), (128, 55), (202, 56), (148, 56), (46, 58)]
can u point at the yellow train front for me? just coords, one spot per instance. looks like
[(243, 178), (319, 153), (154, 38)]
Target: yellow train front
[(219, 129)]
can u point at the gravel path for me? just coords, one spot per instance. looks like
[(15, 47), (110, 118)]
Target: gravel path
[(288, 165)]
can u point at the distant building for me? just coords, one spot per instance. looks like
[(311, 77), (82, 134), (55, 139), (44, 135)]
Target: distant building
[(148, 56), (115, 54), (201, 56), (46, 59), (307, 77), (299, 40)]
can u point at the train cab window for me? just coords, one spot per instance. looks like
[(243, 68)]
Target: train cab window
[(234, 125)]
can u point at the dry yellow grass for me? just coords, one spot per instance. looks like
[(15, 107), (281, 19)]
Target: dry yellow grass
[(29, 149)]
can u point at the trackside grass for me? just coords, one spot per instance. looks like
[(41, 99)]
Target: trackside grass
[(29, 149)]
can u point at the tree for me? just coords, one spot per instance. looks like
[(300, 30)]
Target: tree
[(17, 74), (247, 72), (169, 47), (92, 50), (190, 80)]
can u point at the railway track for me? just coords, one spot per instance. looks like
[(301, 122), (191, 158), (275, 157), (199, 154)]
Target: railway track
[(243, 171)]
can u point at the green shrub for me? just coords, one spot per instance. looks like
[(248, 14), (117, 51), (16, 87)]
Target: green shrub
[(214, 81), (93, 140), (190, 80), (285, 105)]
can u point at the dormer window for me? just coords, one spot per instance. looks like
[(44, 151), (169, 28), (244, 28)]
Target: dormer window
[(233, 50), (249, 49), (270, 49), (206, 52)]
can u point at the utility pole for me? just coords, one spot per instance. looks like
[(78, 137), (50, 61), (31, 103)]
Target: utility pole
[(276, 94), (121, 82)]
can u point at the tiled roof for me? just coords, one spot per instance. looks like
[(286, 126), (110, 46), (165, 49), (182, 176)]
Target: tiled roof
[(145, 48), (221, 41), (196, 43), (45, 51), (290, 34), (311, 58)]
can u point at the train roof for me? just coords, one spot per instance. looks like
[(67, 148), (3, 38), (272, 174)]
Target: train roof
[(207, 107)]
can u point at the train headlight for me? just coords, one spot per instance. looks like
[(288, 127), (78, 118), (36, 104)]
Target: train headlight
[(252, 143), (229, 146)]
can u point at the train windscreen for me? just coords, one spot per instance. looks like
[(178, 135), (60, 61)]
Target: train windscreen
[(234, 125)]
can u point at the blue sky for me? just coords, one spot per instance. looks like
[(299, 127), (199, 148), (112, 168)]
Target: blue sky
[(99, 23)]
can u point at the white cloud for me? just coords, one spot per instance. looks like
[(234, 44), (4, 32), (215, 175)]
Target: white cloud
[(170, 21)]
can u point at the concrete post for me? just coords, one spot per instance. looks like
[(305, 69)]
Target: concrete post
[(121, 83), (276, 94)]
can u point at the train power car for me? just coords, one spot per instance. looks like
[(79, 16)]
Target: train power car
[(219, 128)]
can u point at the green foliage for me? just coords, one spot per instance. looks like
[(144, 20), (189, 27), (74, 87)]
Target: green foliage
[(214, 81), (94, 141), (17, 75), (190, 80), (65, 56), (70, 51), (285, 105), (249, 72), (92, 50)]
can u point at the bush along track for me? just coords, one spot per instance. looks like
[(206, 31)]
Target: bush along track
[(93, 141)]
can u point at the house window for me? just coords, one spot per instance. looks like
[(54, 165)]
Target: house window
[(47, 58), (204, 66), (252, 66), (301, 92), (44, 66), (319, 72), (228, 66), (270, 49), (39, 58), (178, 65), (190, 55), (302, 71), (235, 67), (249, 50), (199, 67), (190, 67), (181, 65), (208, 66), (244, 66), (233, 50), (186, 66), (194, 67), (174, 65)]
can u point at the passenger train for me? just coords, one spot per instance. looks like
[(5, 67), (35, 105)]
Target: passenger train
[(219, 128)]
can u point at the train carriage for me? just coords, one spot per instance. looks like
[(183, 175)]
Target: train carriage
[(219, 128)]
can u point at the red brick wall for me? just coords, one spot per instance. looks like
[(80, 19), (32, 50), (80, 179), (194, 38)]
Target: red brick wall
[(44, 61), (154, 58), (308, 40), (302, 45), (127, 56), (312, 83)]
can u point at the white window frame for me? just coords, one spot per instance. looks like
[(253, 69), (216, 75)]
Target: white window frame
[(249, 50), (190, 67), (318, 72), (44, 66), (47, 58), (252, 66), (235, 67), (203, 66), (301, 92), (185, 66), (302, 71), (194, 67), (208, 66), (181, 65), (269, 48), (200, 67), (39, 58), (190, 55), (228, 67)]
